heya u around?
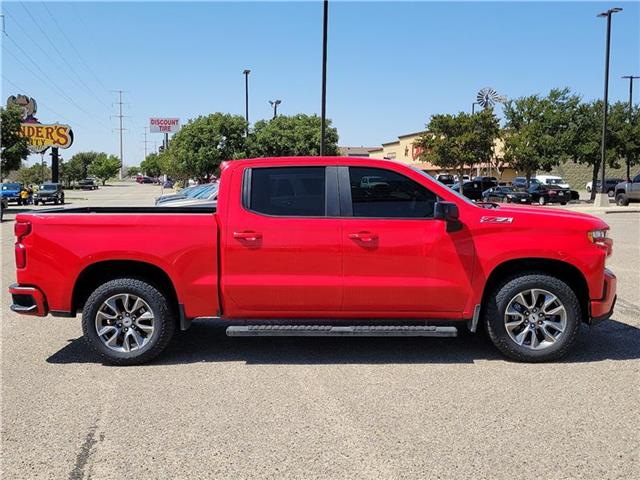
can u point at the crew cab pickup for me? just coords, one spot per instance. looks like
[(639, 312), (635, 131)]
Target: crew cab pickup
[(312, 246)]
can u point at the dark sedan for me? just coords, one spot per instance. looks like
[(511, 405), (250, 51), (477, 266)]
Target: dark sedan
[(506, 194), (544, 194)]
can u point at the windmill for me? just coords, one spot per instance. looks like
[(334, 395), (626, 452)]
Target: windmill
[(487, 97)]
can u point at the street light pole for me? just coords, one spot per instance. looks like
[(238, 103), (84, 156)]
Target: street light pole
[(246, 73), (605, 108), (274, 104), (631, 79), (323, 115)]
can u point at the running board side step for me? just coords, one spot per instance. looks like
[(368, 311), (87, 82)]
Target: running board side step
[(340, 331)]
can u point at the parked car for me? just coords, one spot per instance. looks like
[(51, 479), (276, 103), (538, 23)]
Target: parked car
[(295, 240), (544, 194), (506, 194), (168, 183), (486, 179), (446, 178), (207, 196), (521, 182), (610, 184), (473, 188), (11, 192), (183, 194), (88, 184), (553, 180), (627, 192), (49, 192)]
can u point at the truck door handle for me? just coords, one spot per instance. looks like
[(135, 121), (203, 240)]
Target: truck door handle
[(249, 236), (363, 236)]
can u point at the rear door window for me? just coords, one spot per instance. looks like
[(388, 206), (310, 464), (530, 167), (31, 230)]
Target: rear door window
[(288, 191)]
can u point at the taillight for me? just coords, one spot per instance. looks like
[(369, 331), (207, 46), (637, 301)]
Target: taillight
[(22, 229), (21, 255), (599, 238)]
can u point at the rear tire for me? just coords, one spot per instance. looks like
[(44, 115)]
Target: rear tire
[(542, 201), (163, 322), (549, 347), (622, 200)]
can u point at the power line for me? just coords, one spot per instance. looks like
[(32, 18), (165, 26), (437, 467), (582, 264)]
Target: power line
[(80, 81), (55, 85), (71, 122), (74, 48)]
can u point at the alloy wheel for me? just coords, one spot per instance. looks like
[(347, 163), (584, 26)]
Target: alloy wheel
[(125, 322), (535, 319)]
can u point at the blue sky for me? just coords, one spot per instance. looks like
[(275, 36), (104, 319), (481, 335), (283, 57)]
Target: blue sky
[(391, 64)]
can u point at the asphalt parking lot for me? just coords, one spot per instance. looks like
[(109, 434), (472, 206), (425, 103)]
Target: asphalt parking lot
[(219, 407)]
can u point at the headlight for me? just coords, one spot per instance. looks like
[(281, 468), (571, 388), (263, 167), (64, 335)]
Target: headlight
[(599, 238)]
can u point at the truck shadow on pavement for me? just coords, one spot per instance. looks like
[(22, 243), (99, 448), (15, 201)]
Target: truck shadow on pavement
[(206, 342)]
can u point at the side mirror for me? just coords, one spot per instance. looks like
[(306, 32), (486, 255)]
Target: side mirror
[(447, 211)]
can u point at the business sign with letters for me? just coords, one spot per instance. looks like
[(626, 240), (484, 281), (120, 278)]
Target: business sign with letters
[(41, 136), (164, 125)]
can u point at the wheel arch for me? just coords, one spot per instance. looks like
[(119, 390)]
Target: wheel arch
[(98, 273), (559, 269)]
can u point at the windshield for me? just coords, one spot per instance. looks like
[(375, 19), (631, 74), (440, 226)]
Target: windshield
[(11, 186), (48, 186), (207, 192)]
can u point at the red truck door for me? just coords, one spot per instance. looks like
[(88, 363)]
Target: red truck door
[(282, 254), (397, 258)]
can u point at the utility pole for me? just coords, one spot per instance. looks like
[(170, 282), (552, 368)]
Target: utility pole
[(323, 115), (631, 78), (274, 104), (145, 141), (120, 129)]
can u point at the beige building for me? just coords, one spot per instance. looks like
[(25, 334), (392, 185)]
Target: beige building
[(405, 151)]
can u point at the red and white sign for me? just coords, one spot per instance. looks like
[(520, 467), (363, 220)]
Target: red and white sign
[(164, 125)]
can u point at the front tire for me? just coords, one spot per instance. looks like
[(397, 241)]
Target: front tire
[(128, 321), (542, 201), (622, 200), (533, 317)]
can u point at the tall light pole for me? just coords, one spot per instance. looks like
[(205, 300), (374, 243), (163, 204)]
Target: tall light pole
[(246, 73), (604, 200), (323, 115), (274, 104), (631, 78)]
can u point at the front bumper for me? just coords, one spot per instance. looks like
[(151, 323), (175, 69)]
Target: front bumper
[(28, 300), (602, 309)]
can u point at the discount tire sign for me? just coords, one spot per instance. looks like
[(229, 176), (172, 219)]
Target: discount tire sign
[(164, 125)]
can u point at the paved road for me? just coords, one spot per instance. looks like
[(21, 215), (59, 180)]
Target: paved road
[(218, 407)]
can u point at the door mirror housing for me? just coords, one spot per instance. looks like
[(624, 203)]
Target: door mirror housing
[(448, 211)]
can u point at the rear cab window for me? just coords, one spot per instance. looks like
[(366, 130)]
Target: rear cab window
[(287, 191)]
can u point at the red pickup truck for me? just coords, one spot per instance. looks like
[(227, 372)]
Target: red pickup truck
[(318, 247)]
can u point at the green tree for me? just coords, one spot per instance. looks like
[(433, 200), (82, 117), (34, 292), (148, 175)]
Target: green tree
[(202, 144), (73, 170), (624, 131), (34, 175), (85, 159), (539, 131), (151, 165), (133, 170), (291, 136), (105, 167), (459, 141), (13, 146)]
